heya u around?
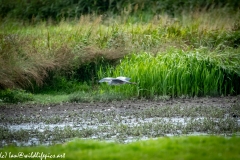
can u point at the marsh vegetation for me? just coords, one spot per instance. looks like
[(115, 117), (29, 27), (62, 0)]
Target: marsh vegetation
[(186, 54), (183, 55)]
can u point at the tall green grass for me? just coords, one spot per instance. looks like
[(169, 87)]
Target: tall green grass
[(178, 73), (34, 57), (193, 147)]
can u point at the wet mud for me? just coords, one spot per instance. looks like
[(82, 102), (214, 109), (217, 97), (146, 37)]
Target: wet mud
[(121, 121)]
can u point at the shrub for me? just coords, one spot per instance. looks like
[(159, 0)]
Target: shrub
[(15, 96)]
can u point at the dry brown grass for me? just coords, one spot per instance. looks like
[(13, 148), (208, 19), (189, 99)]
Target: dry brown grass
[(27, 56), (91, 53), (22, 65)]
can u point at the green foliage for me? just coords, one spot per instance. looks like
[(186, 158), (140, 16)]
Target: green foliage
[(60, 84), (217, 39), (177, 73), (193, 147), (99, 96), (67, 57), (59, 9), (15, 96)]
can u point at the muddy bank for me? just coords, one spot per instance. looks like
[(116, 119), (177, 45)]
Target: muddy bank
[(122, 121)]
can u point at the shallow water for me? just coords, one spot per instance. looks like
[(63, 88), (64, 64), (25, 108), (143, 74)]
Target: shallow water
[(126, 121), (120, 121)]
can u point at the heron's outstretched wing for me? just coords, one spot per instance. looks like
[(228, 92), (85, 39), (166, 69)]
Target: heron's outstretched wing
[(123, 78), (107, 79), (116, 81)]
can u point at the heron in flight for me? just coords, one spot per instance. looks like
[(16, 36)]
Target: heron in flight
[(116, 81)]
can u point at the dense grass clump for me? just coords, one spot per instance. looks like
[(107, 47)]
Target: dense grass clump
[(50, 56), (178, 73), (15, 96)]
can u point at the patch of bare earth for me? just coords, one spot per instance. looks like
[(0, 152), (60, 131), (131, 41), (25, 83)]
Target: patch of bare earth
[(123, 106), (124, 121)]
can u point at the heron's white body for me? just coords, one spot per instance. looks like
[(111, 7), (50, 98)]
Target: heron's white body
[(116, 81)]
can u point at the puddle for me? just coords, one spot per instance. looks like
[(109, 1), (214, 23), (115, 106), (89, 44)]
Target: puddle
[(122, 122), (124, 129), (83, 125)]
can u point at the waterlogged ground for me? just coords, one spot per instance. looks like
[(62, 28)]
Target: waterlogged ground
[(121, 121)]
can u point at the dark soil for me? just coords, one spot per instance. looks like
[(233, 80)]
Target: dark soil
[(123, 106), (121, 121)]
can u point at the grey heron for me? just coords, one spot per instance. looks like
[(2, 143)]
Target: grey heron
[(117, 80)]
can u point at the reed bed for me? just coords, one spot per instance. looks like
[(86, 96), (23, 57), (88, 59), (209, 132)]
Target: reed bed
[(177, 73), (37, 56)]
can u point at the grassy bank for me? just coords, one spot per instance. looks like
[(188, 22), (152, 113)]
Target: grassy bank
[(70, 57), (176, 73), (163, 148)]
